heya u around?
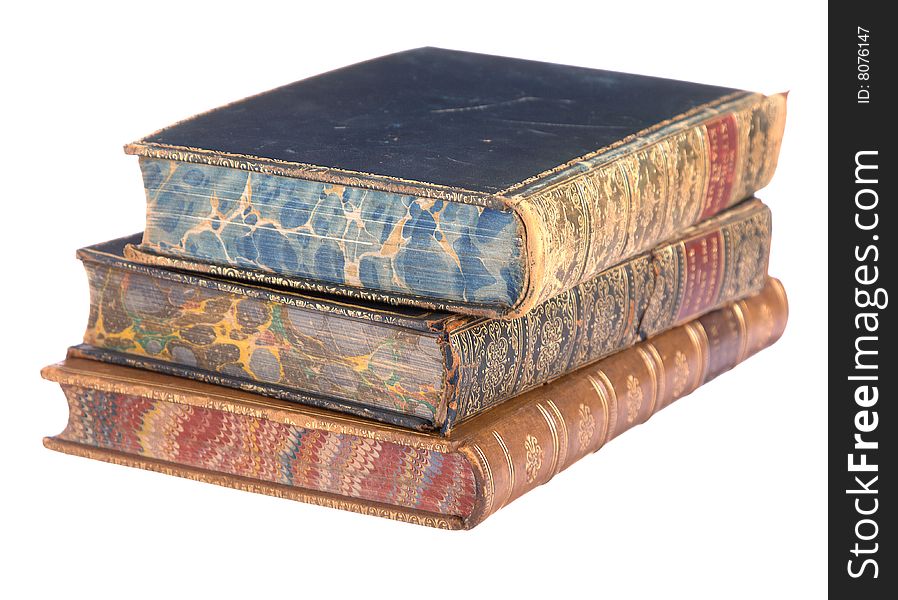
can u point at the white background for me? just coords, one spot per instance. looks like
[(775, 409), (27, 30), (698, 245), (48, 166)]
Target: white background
[(720, 496)]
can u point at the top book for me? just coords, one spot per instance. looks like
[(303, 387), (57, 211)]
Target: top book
[(450, 180)]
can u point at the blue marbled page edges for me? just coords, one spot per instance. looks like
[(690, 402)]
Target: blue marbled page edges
[(338, 234)]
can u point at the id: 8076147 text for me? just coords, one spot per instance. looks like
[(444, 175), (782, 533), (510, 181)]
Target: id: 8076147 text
[(863, 66)]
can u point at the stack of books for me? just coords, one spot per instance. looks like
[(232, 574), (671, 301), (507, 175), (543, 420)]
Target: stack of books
[(420, 286)]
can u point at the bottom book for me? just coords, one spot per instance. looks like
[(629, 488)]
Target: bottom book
[(237, 439)]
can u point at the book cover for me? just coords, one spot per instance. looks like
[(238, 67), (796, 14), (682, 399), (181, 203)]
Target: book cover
[(409, 366), (233, 438), (452, 180)]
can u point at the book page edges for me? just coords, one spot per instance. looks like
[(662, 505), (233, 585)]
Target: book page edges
[(126, 380), (298, 494), (140, 254)]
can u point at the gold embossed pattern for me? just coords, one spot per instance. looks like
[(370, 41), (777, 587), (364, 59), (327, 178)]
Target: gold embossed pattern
[(604, 400), (642, 297), (642, 193), (586, 427), (534, 458)]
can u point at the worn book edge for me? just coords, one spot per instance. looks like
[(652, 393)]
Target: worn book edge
[(229, 280), (142, 254), (279, 392), (628, 199), (385, 183)]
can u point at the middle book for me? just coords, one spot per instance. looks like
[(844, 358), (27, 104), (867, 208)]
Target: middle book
[(410, 367)]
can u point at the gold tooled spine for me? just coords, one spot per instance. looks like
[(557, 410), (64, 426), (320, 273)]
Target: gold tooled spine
[(643, 192), (546, 430), (498, 359)]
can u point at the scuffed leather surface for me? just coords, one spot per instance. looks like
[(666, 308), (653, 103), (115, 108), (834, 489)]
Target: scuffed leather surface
[(471, 121)]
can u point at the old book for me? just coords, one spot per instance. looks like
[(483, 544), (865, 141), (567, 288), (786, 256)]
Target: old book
[(233, 438), (450, 180), (405, 365)]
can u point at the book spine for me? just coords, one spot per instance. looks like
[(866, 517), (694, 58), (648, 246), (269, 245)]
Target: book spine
[(557, 426), (601, 209), (495, 360)]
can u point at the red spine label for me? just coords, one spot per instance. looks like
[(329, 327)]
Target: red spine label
[(722, 147), (704, 274)]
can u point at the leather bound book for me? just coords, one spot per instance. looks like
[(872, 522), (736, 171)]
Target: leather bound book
[(242, 440), (408, 366), (449, 180)]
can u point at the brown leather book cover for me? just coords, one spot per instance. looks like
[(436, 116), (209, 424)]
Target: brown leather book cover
[(242, 440)]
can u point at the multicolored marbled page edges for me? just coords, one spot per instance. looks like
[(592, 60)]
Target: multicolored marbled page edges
[(395, 368), (259, 448), (337, 234)]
